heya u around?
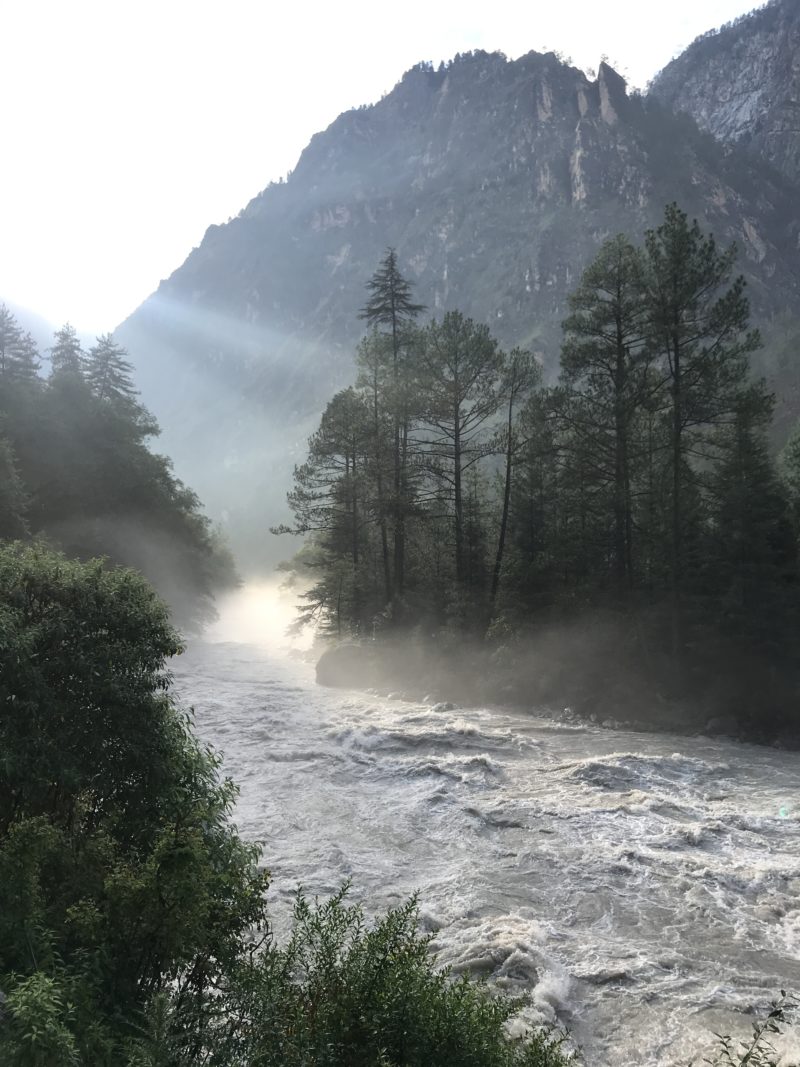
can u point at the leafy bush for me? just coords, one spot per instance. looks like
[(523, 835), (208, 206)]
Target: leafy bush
[(133, 928), (121, 876), (757, 1050)]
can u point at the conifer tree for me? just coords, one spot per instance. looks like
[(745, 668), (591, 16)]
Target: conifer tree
[(521, 375), (66, 355), (19, 357), (13, 499), (391, 309), (698, 321), (752, 557), (109, 374), (605, 362), (371, 363), (461, 364), (331, 498)]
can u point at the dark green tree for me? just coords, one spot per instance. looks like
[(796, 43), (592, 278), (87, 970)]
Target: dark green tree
[(461, 365), (108, 373), (521, 375), (333, 499), (121, 878), (605, 364), (372, 366), (698, 321), (19, 357), (391, 309), (753, 551), (13, 499), (66, 355)]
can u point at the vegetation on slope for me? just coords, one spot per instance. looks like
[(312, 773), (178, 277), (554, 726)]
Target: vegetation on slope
[(75, 468), (133, 926), (633, 510)]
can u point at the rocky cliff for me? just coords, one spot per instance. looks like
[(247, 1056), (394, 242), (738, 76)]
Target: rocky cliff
[(495, 180), (742, 83)]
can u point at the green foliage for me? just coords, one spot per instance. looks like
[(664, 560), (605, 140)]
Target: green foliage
[(344, 993), (640, 488), (758, 1050), (120, 875), (19, 360), (75, 468), (13, 498), (37, 1021), (133, 928)]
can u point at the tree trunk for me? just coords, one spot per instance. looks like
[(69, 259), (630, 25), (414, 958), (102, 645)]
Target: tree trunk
[(387, 572), (501, 540), (459, 504), (677, 524), (399, 518), (621, 501)]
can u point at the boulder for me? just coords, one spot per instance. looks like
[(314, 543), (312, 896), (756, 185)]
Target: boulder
[(346, 667)]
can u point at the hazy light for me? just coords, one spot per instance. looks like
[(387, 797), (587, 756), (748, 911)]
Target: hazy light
[(259, 614), (130, 127)]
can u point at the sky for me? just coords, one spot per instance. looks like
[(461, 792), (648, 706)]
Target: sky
[(130, 126)]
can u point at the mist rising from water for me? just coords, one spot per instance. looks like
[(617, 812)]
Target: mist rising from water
[(260, 614)]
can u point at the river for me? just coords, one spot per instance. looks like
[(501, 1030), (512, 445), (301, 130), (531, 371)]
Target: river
[(643, 890)]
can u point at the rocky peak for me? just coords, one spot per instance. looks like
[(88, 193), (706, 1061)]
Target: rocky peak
[(495, 180), (742, 84), (613, 94)]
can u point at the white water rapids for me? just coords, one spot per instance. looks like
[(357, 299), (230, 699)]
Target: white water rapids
[(643, 890)]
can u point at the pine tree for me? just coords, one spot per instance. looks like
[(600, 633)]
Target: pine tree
[(13, 499), (19, 357), (605, 362), (753, 550), (109, 374), (521, 376), (331, 499), (698, 321), (391, 308), (461, 364), (371, 362), (66, 355)]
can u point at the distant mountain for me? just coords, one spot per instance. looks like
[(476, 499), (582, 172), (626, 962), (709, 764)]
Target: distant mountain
[(742, 83), (496, 181)]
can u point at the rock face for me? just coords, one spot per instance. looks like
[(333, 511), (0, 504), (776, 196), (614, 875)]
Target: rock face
[(742, 83), (495, 180)]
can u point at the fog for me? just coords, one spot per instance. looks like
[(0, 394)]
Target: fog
[(262, 613), (640, 888)]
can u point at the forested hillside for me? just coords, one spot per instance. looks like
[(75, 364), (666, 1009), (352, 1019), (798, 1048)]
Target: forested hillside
[(76, 469), (496, 181), (453, 495)]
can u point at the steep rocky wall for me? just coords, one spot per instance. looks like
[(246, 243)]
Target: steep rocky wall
[(742, 83)]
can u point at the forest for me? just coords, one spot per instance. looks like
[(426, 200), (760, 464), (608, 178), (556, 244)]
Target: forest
[(449, 493), (623, 536), (76, 470)]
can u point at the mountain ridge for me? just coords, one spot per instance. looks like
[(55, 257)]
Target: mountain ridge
[(741, 82), (496, 180)]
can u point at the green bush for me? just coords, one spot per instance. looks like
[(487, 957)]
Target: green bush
[(133, 928), (121, 876)]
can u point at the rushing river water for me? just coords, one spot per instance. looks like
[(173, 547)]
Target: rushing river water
[(642, 889)]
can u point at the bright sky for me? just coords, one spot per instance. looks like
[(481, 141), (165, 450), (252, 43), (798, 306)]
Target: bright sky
[(129, 126)]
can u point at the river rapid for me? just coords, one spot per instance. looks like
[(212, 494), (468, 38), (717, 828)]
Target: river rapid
[(643, 890)]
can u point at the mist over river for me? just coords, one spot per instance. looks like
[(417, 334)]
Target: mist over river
[(642, 889)]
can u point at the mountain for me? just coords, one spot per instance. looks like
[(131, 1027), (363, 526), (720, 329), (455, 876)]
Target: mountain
[(742, 84), (496, 181)]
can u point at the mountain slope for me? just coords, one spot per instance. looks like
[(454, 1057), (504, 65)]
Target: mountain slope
[(742, 83), (495, 180)]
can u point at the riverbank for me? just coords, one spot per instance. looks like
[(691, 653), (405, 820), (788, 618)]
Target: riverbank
[(638, 888), (590, 688)]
